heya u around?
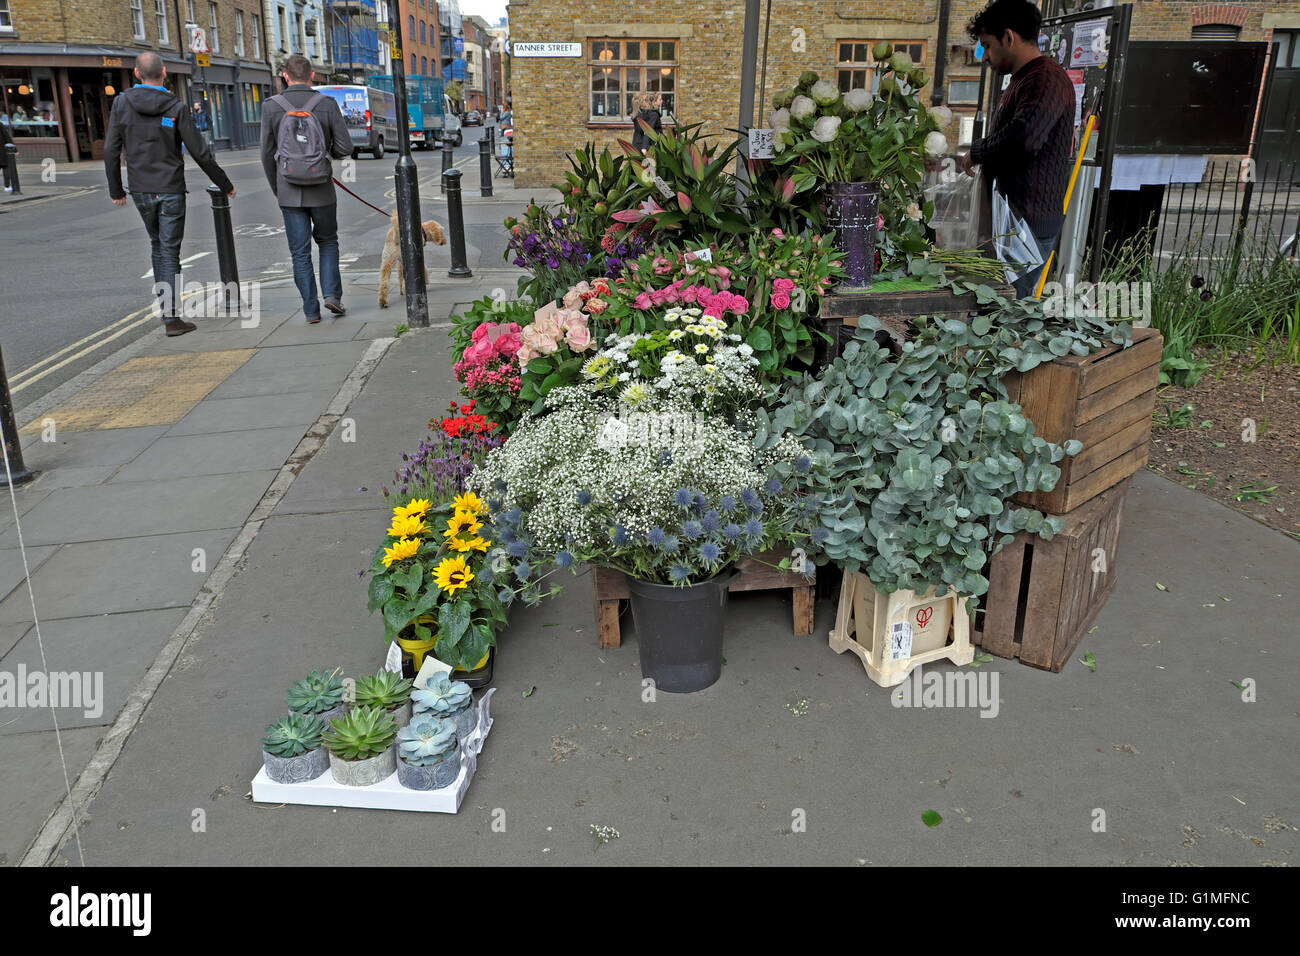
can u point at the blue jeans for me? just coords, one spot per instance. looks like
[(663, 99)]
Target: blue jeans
[(164, 219), (301, 226), (1028, 283)]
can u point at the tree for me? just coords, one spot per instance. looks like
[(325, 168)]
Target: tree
[(455, 92)]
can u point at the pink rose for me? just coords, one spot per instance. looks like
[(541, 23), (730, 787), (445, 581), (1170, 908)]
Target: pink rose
[(739, 304), (578, 337), (642, 301), (481, 332), (508, 344), (480, 352), (551, 326), (525, 355), (783, 285), (545, 346), (572, 299), (691, 294), (780, 300), (778, 233)]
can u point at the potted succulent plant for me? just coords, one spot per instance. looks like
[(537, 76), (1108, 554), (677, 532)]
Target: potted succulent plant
[(427, 754), (318, 695), (386, 691), (361, 747), (292, 750), (449, 700)]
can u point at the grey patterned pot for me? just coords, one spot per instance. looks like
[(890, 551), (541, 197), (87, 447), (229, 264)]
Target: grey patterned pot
[(297, 769), (433, 777), (364, 773), (339, 710)]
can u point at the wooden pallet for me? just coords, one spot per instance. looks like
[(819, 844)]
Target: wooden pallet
[(1103, 400), (1044, 595), (610, 587), (936, 628)]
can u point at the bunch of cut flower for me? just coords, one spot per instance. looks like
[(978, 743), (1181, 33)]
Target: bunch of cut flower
[(547, 243), (438, 467), (633, 469), (488, 369)]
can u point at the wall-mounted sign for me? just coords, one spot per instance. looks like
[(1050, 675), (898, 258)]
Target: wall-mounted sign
[(545, 49), (112, 61)]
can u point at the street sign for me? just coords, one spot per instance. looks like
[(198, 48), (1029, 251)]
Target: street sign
[(545, 49), (198, 41), (202, 59)]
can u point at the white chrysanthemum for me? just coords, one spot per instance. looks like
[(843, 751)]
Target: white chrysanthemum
[(713, 333), (692, 311), (824, 129), (802, 108), (701, 349), (634, 393), (858, 100), (941, 115), (676, 334), (779, 119), (936, 144), (824, 92)]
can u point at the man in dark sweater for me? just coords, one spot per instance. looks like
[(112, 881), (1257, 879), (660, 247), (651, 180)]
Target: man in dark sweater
[(1027, 150), (149, 124), (310, 212)]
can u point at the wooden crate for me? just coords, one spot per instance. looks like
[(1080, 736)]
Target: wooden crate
[(867, 620), (1044, 595), (1103, 400), (610, 587)]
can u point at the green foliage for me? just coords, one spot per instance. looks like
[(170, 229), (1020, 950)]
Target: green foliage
[(547, 372), (701, 202), (385, 690), (293, 735), (316, 693), (920, 455), (1183, 372), (596, 187), (365, 732)]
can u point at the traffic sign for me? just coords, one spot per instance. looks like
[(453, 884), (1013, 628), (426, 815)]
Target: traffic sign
[(198, 41), (202, 59)]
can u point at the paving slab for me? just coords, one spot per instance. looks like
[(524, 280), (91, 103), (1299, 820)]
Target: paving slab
[(129, 574), (219, 453), (261, 411), (141, 508), (11, 634), (11, 567), (116, 649), (57, 478), (217, 340), (29, 797), (95, 448)]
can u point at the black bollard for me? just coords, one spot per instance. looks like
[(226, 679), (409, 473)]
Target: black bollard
[(448, 159), (18, 472), (226, 261), (456, 224), (484, 167), (11, 161)]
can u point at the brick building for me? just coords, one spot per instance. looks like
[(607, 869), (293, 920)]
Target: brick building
[(690, 51), (62, 62)]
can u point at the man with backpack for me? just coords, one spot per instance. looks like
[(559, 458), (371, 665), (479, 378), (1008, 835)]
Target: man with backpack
[(301, 130), (149, 125)]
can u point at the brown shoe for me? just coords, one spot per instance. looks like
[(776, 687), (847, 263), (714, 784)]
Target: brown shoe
[(177, 327)]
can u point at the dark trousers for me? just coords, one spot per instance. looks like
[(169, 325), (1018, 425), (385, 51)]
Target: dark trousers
[(302, 225), (1027, 284), (164, 220)]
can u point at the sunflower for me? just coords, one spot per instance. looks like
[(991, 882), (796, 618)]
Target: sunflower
[(469, 544), (405, 548), (469, 502), (462, 522), (416, 508), (407, 527), (453, 573)]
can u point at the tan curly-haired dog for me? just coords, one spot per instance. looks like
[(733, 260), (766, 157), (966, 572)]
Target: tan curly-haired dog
[(393, 256)]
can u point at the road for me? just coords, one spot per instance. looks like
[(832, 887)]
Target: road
[(76, 277)]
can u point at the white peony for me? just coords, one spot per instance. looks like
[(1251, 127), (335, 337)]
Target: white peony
[(802, 108), (858, 100), (779, 119), (941, 115), (936, 144), (824, 129), (825, 92)]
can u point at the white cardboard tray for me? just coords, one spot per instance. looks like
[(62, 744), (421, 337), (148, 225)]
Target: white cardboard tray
[(388, 794)]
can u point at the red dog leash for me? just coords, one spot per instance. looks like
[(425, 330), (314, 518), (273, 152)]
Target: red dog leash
[(386, 215)]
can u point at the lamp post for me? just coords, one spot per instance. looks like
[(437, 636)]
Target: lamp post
[(408, 194)]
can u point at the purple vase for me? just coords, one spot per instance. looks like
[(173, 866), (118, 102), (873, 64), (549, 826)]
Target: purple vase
[(851, 210)]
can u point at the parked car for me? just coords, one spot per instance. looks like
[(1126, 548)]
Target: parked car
[(359, 114), (473, 118)]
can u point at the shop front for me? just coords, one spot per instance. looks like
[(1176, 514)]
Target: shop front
[(234, 94)]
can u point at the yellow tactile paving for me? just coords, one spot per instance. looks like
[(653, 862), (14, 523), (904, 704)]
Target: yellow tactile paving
[(146, 390)]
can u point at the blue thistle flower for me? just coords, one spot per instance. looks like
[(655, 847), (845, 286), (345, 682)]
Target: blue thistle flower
[(563, 559), (517, 548), (522, 571), (505, 595), (727, 503), (773, 486), (710, 520), (655, 537), (754, 528), (820, 535), (512, 517), (584, 497), (618, 534), (803, 464), (750, 497), (670, 545), (494, 505), (499, 485), (692, 530), (682, 498), (699, 501), (710, 552), (731, 532), (679, 573), (485, 574)]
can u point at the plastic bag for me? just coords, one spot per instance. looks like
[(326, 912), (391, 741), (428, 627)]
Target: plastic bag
[(1013, 240), (956, 212)]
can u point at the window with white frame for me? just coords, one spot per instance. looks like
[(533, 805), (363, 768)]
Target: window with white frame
[(855, 66), (284, 26), (137, 18), (214, 35), (160, 15), (620, 69), (255, 23), (963, 91), (189, 12), (6, 18), (239, 32), (293, 32)]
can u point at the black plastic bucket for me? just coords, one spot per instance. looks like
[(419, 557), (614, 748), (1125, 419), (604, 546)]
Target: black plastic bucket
[(679, 631)]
